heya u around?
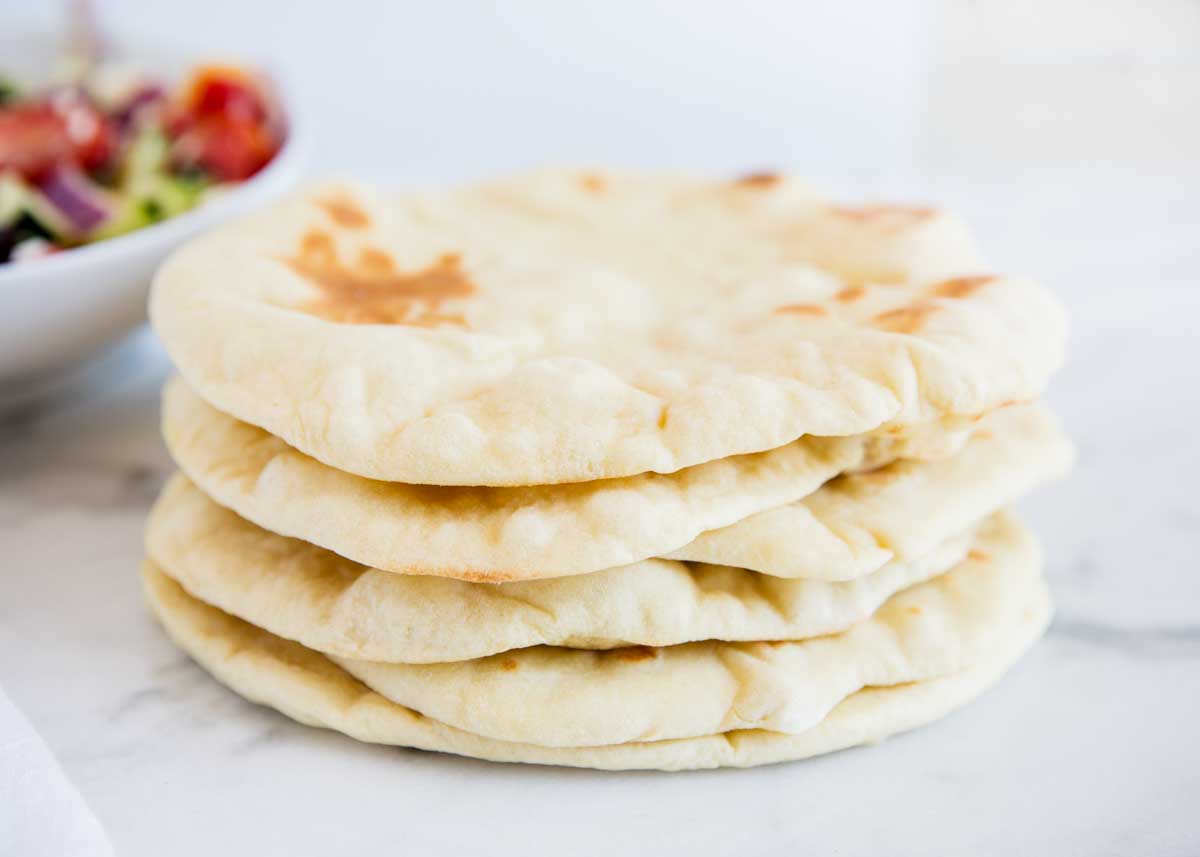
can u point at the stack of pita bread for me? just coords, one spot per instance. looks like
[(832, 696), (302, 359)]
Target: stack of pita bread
[(602, 470)]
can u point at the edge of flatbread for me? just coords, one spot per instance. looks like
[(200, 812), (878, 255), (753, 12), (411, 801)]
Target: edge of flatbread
[(334, 605), (310, 689)]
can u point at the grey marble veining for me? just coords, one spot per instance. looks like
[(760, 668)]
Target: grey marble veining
[(1089, 747)]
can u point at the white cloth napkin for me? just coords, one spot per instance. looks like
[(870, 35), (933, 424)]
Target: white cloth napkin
[(41, 813)]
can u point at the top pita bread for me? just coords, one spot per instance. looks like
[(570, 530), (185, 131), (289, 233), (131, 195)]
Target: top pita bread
[(567, 327)]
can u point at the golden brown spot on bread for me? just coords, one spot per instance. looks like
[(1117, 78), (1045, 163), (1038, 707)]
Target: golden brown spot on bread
[(1010, 403), (915, 610), (960, 287), (318, 246), (850, 295), (375, 261), (884, 216), (802, 309), (344, 211), (593, 183), (663, 416), (982, 434), (977, 555), (509, 664), (761, 181), (634, 653), (906, 319), (374, 291)]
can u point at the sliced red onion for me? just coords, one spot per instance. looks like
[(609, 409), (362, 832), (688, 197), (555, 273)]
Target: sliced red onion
[(76, 197)]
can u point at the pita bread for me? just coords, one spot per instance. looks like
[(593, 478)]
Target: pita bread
[(328, 603), (498, 534), (309, 688), (563, 327), (563, 697), (501, 534), (857, 523), (560, 697)]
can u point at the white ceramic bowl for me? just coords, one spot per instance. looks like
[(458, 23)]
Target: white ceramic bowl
[(58, 312)]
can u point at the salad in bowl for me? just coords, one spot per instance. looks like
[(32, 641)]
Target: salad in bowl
[(114, 149), (109, 159)]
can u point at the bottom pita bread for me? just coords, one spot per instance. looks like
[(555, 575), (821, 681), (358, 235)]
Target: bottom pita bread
[(310, 688)]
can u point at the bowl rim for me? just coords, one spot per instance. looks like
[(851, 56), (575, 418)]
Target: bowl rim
[(282, 168)]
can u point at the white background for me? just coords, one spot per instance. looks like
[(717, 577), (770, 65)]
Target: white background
[(440, 90), (1067, 131)]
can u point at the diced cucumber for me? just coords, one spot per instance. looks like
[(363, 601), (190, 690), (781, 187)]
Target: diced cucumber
[(147, 193), (156, 197), (9, 91), (146, 158)]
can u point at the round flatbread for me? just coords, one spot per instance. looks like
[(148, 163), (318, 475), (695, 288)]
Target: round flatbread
[(497, 534), (564, 327), (571, 698), (555, 696), (336, 606), (309, 688)]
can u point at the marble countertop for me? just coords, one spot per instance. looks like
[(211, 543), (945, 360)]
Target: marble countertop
[(1089, 747)]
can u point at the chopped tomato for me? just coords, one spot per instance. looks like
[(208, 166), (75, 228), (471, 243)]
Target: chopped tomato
[(223, 124), (227, 148), (36, 137), (91, 133), (33, 138), (228, 92)]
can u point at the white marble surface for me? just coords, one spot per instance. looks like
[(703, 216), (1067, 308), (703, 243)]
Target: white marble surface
[(1089, 747)]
